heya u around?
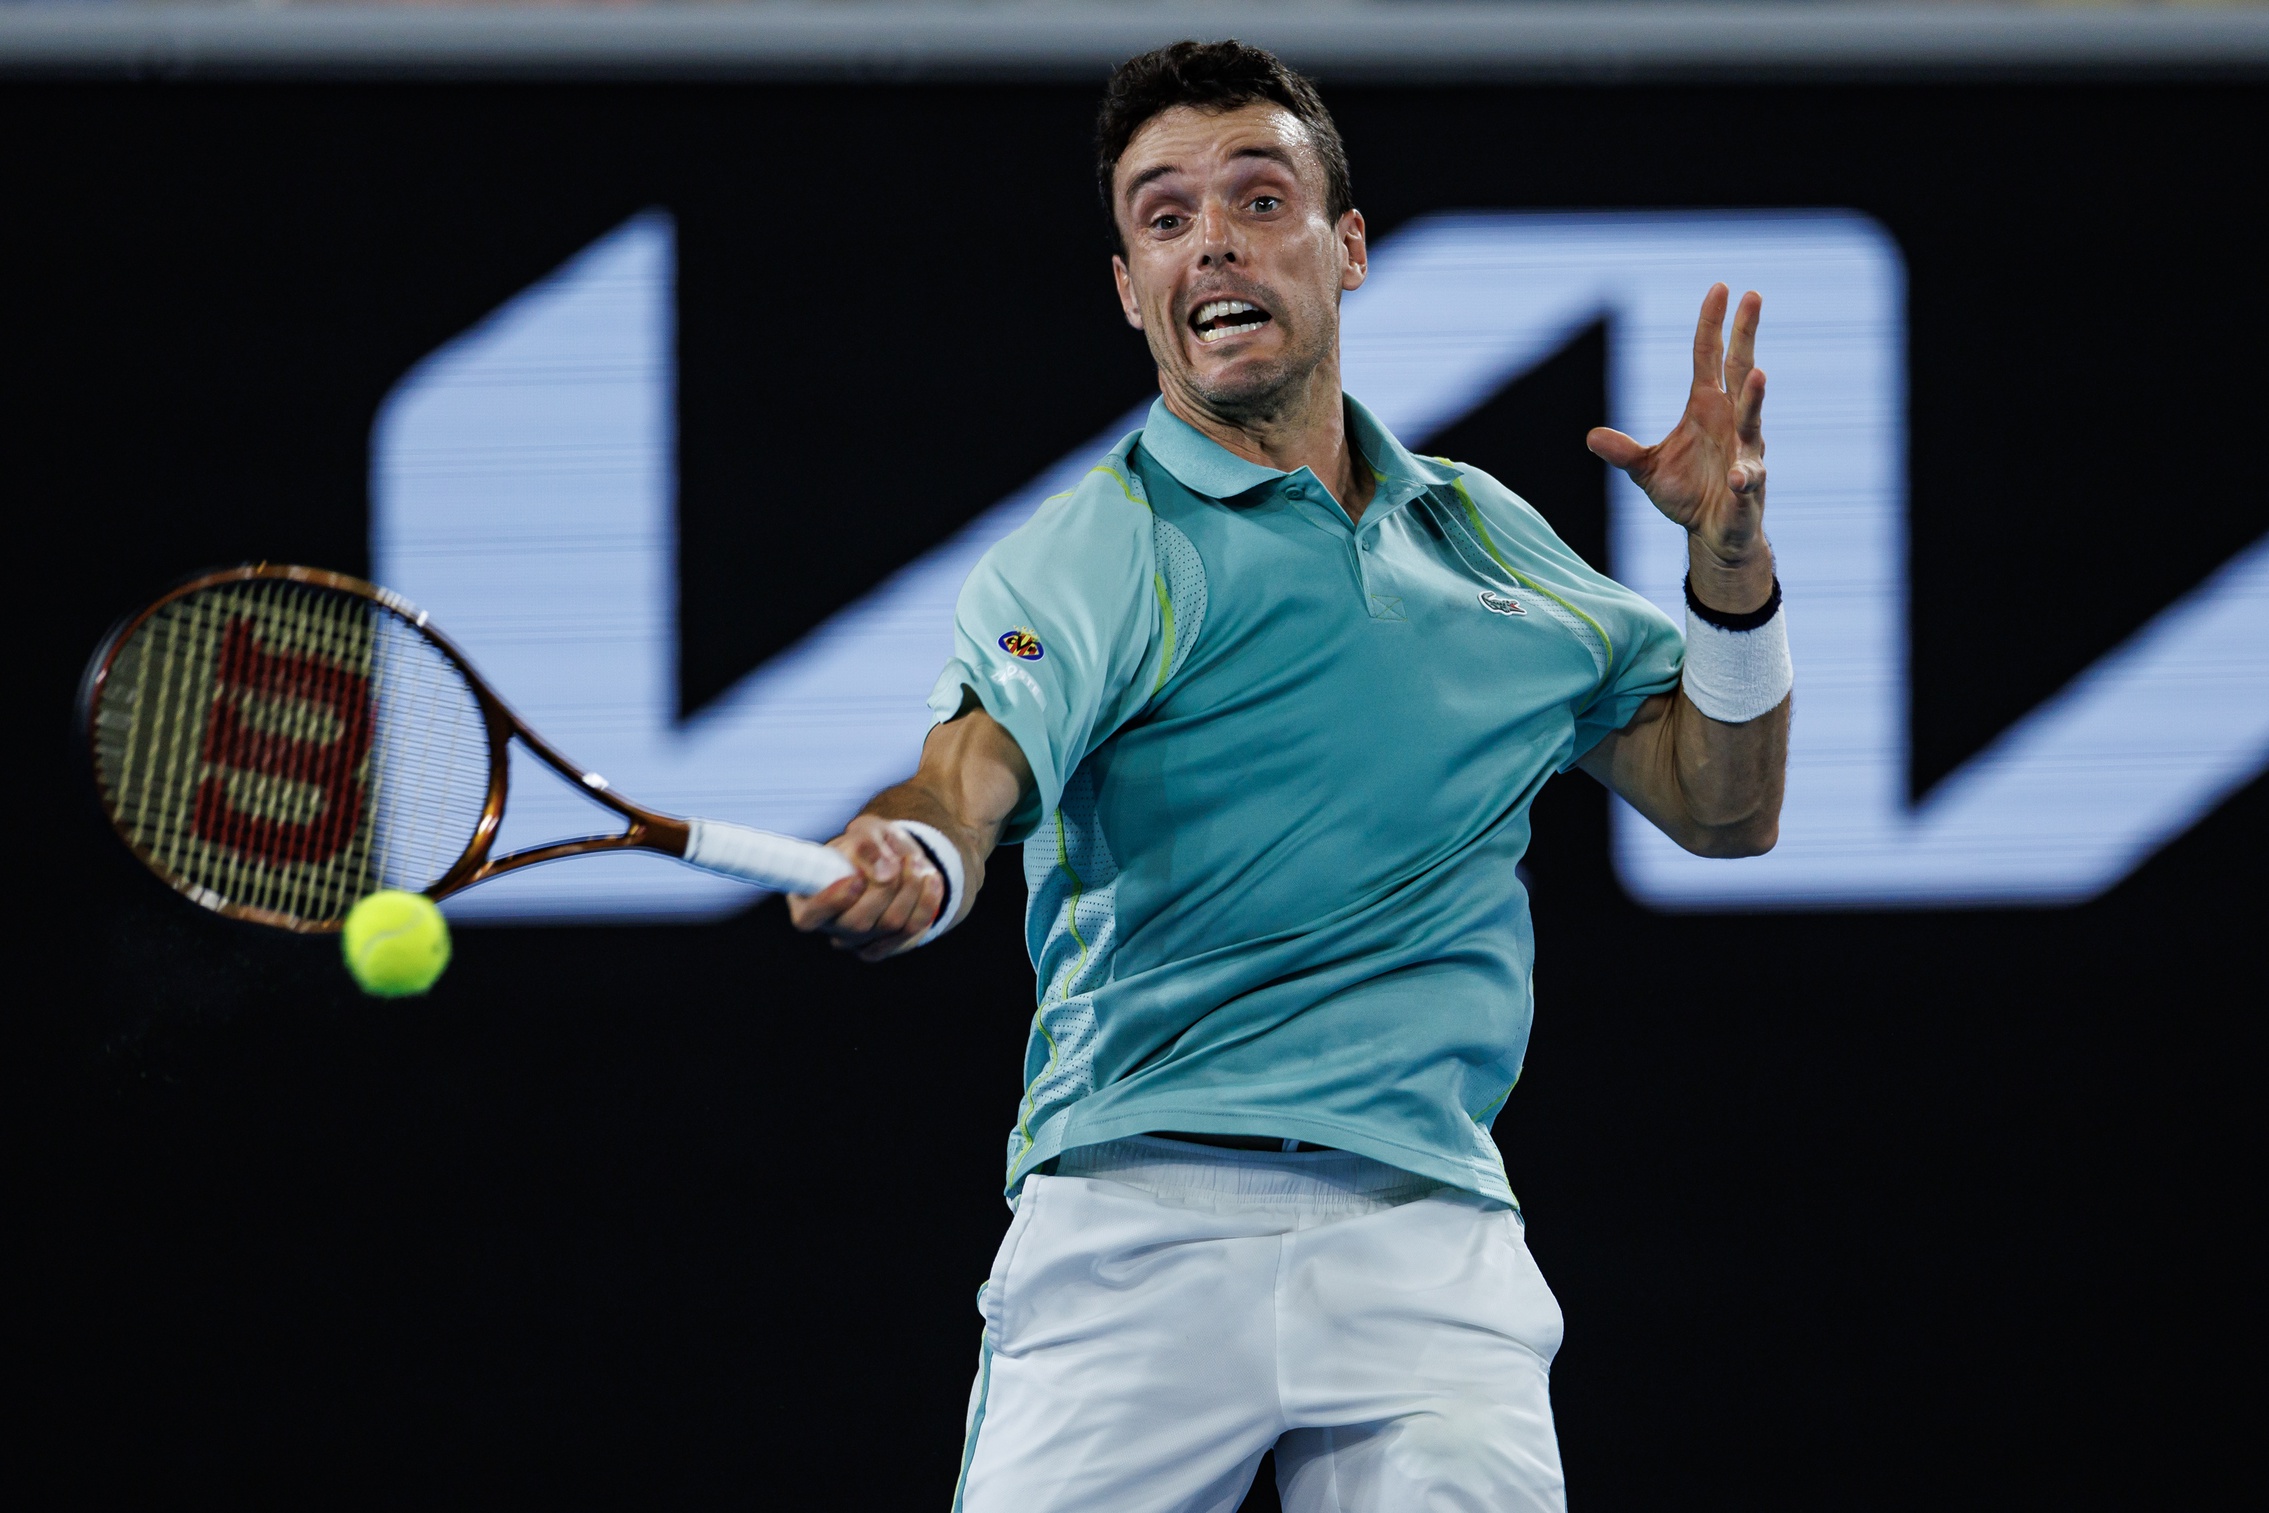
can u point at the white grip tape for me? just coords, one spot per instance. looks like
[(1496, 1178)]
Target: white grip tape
[(1737, 675), (760, 857), (948, 857)]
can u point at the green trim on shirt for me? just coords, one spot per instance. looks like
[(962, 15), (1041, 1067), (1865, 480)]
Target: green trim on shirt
[(1489, 545), (1166, 614), (1062, 991)]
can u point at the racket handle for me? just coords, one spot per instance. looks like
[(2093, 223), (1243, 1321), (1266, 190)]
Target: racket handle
[(758, 856)]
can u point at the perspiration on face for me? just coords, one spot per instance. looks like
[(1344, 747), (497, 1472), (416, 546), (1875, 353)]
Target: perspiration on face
[(1232, 206)]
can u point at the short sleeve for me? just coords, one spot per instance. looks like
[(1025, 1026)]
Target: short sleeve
[(1639, 651), (1656, 654), (1058, 630)]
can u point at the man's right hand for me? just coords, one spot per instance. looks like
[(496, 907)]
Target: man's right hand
[(972, 777), (883, 907)]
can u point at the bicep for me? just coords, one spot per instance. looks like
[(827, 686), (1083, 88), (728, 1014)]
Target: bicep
[(1628, 761), (1713, 788), (1637, 764)]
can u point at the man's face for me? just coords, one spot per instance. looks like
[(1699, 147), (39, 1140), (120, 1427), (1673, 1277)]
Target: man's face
[(1232, 270)]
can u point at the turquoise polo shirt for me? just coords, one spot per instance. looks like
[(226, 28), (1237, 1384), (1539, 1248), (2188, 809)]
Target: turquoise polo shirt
[(1284, 764)]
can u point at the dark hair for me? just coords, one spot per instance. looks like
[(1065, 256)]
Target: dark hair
[(1212, 76)]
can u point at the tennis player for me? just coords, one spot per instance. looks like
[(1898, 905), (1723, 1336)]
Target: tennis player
[(1267, 698)]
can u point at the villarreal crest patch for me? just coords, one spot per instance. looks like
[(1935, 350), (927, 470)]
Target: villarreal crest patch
[(1501, 604), (1020, 642)]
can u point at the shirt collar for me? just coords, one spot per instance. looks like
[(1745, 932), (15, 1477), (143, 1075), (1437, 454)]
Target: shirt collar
[(1204, 466)]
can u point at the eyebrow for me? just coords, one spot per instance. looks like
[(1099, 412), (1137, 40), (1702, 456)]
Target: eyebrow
[(1273, 154)]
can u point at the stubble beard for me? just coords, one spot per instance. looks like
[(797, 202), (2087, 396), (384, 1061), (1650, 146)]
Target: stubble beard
[(1260, 396)]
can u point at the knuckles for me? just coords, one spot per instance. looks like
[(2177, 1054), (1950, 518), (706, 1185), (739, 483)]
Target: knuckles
[(882, 917), (891, 898)]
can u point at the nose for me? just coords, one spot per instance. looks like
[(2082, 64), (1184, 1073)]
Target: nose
[(1216, 239)]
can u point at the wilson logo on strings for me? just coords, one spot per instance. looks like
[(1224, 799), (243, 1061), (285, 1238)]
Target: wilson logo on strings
[(285, 780)]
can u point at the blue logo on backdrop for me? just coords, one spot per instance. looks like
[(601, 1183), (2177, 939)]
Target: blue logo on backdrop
[(522, 489)]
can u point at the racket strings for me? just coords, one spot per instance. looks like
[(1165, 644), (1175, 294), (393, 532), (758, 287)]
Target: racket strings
[(431, 762), (288, 748)]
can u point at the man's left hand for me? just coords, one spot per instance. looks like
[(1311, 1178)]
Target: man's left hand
[(1708, 474)]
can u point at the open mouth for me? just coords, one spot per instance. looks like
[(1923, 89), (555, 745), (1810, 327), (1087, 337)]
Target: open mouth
[(1217, 318)]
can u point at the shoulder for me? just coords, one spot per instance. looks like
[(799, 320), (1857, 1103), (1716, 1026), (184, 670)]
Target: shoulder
[(1524, 543), (1100, 525), (1486, 501)]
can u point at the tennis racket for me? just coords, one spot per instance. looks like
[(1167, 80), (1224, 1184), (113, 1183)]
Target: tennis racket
[(279, 742)]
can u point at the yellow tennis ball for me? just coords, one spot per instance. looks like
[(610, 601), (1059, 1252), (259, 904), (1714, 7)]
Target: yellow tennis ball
[(395, 943)]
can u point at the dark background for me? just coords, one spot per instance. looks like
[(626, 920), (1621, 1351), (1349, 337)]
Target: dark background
[(1846, 1210)]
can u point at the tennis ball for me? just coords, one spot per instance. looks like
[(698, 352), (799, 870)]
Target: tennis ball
[(395, 944)]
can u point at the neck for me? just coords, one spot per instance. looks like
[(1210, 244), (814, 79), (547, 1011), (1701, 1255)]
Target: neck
[(1306, 429)]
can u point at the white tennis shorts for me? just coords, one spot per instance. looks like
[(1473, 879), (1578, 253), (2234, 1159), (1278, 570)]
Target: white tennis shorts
[(1162, 1313)]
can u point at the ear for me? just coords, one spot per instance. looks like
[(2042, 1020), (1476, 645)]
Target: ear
[(1125, 281), (1355, 251)]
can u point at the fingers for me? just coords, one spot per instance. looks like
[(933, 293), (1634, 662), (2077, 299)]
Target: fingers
[(1749, 410), (1617, 449), (886, 904), (900, 929), (864, 843), (875, 847), (1747, 477), (1709, 348), (895, 908), (1741, 356), (809, 912), (895, 868)]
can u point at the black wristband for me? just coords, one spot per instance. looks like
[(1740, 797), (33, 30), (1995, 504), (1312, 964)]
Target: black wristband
[(1725, 621), (945, 904)]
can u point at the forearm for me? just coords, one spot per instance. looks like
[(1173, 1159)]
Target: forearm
[(902, 889), (1728, 778), (1711, 786), (971, 779), (1731, 775), (1728, 774), (1710, 774)]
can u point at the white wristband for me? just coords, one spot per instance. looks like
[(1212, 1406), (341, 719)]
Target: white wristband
[(947, 855), (1737, 675)]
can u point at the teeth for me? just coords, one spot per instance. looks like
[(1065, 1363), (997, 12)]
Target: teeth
[(1215, 310)]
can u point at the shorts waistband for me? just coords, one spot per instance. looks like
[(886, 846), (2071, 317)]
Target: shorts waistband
[(1290, 1176)]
